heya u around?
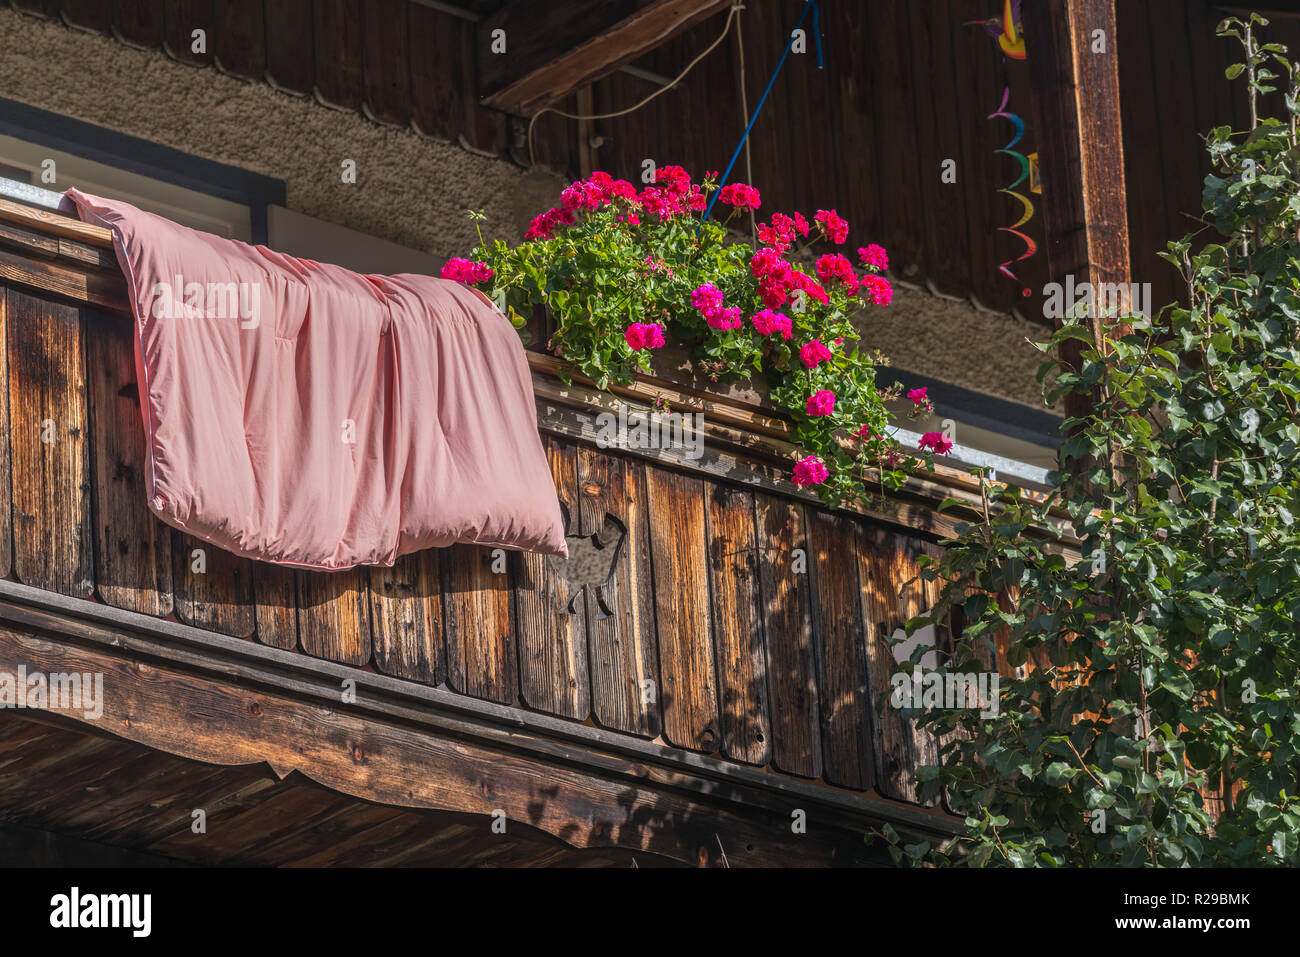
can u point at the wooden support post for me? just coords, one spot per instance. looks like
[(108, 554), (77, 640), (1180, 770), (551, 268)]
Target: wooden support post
[(1074, 69)]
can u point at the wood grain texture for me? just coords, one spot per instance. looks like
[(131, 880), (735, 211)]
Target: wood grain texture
[(620, 620), (275, 591), (240, 27), (180, 19), (94, 16), (481, 647), (483, 131), (678, 553), (387, 61), (841, 645), (437, 107), (48, 443), (6, 487), (133, 555), (887, 563), (1077, 109), (785, 582), (553, 666), (406, 616), (290, 63), (337, 43), (213, 588), (584, 804), (334, 615), (738, 628), (139, 22)]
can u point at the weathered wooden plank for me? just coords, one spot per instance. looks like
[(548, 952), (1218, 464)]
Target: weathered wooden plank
[(1077, 110), (241, 38), (887, 563), (437, 107), (96, 288), (892, 92), (406, 616), (50, 461), (943, 207), (275, 591), (852, 120), (334, 615), (133, 558), (213, 588), (387, 66), (181, 18), (290, 61), (138, 22), (556, 49), (41, 8), (338, 63), (94, 16), (737, 625), (678, 552), (483, 131), (841, 645), (980, 174), (6, 514), (624, 666), (480, 637), (553, 669), (791, 666)]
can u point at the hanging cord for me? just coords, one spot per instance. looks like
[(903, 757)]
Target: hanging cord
[(731, 15), (810, 4)]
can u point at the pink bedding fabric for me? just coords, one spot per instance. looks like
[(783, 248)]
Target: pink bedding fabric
[(321, 418)]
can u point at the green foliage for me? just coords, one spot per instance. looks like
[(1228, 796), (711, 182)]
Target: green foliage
[(1167, 660)]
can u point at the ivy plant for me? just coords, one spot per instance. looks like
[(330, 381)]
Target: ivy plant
[(1147, 711)]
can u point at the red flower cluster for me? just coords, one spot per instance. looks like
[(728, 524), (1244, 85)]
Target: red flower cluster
[(463, 270), (740, 196), (878, 290), (833, 225), (810, 471), (589, 194), (644, 335), (835, 268), (814, 354), (937, 441), (821, 402), (874, 255), (767, 322)]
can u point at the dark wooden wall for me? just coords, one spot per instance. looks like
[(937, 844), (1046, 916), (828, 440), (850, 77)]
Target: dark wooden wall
[(906, 85), (739, 623)]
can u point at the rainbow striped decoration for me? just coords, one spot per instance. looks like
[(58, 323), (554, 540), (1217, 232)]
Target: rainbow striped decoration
[(1010, 189)]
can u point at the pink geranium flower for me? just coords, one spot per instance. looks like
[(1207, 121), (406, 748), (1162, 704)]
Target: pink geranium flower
[(462, 270), (768, 322), (833, 225), (725, 318), (937, 441), (821, 402), (740, 196), (874, 255), (809, 471), (878, 290), (814, 354), (918, 396), (644, 335), (707, 299)]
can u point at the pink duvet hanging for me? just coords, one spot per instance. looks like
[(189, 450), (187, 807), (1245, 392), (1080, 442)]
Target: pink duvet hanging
[(304, 414)]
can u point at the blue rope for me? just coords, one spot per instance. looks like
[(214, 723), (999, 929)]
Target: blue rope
[(810, 4)]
